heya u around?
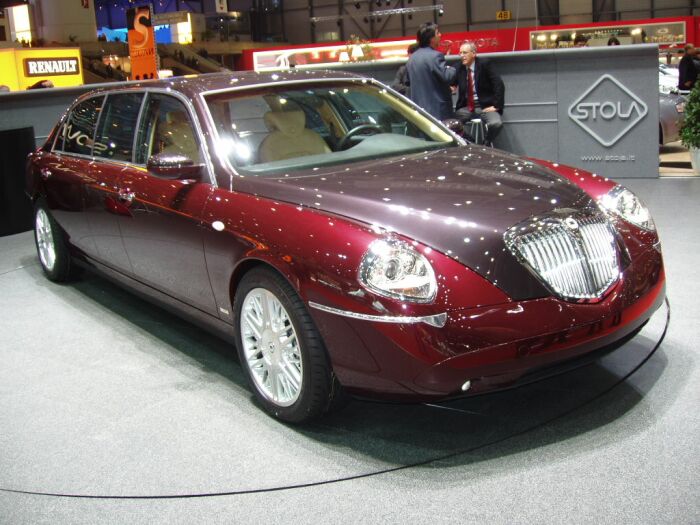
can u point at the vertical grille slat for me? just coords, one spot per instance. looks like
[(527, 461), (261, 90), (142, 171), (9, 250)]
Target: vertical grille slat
[(575, 255)]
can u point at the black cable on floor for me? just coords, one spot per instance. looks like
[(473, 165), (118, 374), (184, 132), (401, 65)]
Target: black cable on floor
[(378, 472)]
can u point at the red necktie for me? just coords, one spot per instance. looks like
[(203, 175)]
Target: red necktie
[(470, 90)]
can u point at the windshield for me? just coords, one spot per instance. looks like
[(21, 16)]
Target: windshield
[(265, 131)]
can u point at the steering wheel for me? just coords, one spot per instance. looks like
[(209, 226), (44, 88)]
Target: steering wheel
[(342, 144)]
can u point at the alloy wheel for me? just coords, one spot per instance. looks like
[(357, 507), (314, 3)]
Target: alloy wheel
[(271, 347), (45, 240)]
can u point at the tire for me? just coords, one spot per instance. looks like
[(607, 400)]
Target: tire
[(281, 351), (51, 245)]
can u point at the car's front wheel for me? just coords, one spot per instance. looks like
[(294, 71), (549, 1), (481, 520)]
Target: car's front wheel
[(280, 349), (51, 245)]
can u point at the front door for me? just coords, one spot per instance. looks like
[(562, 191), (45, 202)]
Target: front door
[(163, 234)]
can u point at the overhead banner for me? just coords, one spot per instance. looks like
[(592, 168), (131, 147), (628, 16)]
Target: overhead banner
[(142, 43)]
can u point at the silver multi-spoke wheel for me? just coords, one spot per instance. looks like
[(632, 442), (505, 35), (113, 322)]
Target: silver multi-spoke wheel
[(45, 240), (271, 347)]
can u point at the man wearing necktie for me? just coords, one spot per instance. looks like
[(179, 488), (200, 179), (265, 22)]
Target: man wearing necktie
[(480, 91)]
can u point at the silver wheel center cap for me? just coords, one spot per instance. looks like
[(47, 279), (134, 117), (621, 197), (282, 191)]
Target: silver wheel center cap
[(269, 348)]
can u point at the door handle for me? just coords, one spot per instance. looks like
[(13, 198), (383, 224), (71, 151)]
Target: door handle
[(126, 197), (45, 173)]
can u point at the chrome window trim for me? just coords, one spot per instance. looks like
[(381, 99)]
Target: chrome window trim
[(137, 129), (225, 161), (437, 320), (204, 150)]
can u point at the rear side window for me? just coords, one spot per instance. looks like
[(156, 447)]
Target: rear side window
[(79, 129), (117, 126)]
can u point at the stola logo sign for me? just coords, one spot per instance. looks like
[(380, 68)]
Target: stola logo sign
[(607, 110), (42, 67)]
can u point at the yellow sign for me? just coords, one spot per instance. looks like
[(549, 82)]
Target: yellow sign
[(22, 68), (503, 15)]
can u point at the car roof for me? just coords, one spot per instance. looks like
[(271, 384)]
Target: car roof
[(193, 85)]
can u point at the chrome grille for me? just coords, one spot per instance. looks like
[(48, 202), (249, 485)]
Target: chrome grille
[(575, 255)]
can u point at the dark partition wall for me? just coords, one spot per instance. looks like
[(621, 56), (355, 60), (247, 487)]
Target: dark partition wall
[(15, 208)]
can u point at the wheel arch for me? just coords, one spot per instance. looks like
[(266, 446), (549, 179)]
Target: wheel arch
[(243, 267)]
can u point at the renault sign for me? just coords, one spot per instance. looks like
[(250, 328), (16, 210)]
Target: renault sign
[(40, 67)]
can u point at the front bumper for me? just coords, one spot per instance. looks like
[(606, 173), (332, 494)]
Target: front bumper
[(493, 347)]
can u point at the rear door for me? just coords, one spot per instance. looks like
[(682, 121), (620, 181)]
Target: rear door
[(113, 152)]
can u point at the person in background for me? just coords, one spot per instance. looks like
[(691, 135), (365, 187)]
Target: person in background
[(41, 84), (580, 41), (480, 91), (687, 72), (400, 82), (429, 75), (613, 41)]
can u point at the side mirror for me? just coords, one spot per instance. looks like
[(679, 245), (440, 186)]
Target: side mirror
[(454, 124), (175, 167)]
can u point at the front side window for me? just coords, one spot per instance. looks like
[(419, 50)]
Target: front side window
[(291, 127), (117, 126), (166, 128), (79, 129)]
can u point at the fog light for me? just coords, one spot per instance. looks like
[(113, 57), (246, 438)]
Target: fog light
[(466, 386)]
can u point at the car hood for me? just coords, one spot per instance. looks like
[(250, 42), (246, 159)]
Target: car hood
[(459, 201)]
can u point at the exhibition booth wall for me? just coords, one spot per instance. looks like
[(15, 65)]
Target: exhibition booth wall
[(596, 108)]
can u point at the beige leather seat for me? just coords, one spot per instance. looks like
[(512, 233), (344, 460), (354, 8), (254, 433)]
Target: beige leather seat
[(289, 137), (176, 136)]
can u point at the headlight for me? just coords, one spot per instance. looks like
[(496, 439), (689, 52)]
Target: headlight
[(627, 205), (392, 268)]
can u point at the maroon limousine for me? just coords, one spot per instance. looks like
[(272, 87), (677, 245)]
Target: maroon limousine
[(346, 241)]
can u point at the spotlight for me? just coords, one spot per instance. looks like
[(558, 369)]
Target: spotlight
[(357, 5), (441, 12)]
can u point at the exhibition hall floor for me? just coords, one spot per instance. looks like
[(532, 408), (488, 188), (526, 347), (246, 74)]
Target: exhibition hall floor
[(114, 411)]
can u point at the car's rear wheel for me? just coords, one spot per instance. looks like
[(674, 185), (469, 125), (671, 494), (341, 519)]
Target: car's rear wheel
[(280, 349), (51, 245)]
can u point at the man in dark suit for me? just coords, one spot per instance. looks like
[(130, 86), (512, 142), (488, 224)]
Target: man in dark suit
[(687, 72), (401, 83), (429, 75), (481, 92)]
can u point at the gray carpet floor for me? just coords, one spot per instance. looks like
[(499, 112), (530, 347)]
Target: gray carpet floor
[(106, 396)]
